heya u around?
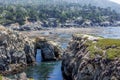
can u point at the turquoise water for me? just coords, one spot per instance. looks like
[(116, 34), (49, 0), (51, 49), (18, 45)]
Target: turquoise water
[(38, 56), (45, 70)]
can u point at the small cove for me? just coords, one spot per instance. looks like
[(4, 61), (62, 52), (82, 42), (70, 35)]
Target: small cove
[(52, 70)]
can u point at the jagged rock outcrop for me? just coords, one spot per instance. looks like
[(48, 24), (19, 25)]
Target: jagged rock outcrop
[(91, 58), (49, 49), (16, 50)]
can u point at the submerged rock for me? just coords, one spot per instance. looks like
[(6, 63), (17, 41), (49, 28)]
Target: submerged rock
[(14, 49), (91, 58)]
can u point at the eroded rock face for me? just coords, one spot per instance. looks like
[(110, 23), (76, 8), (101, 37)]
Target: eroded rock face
[(17, 50), (87, 58), (14, 49), (49, 49)]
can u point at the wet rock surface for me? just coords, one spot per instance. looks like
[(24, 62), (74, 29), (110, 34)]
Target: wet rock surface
[(81, 63)]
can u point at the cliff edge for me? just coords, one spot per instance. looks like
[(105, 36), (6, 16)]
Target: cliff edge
[(91, 58), (16, 50)]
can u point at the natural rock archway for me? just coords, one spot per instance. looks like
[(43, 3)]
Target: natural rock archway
[(17, 50), (49, 49)]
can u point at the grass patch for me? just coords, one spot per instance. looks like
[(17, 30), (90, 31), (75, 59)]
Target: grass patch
[(0, 77), (111, 46), (108, 48), (113, 53), (94, 51), (108, 43)]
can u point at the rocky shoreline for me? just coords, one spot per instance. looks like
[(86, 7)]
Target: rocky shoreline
[(86, 58), (91, 58), (38, 25), (18, 50)]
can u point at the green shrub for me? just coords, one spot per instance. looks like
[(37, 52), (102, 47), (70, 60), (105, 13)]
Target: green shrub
[(0, 77), (111, 47), (112, 53), (106, 43)]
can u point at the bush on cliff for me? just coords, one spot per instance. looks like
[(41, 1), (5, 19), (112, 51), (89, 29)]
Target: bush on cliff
[(0, 77), (109, 48)]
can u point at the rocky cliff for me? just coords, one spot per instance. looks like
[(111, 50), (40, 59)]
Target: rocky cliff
[(91, 58), (16, 50)]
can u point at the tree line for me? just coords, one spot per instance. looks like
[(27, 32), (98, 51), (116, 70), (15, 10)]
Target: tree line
[(61, 12)]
